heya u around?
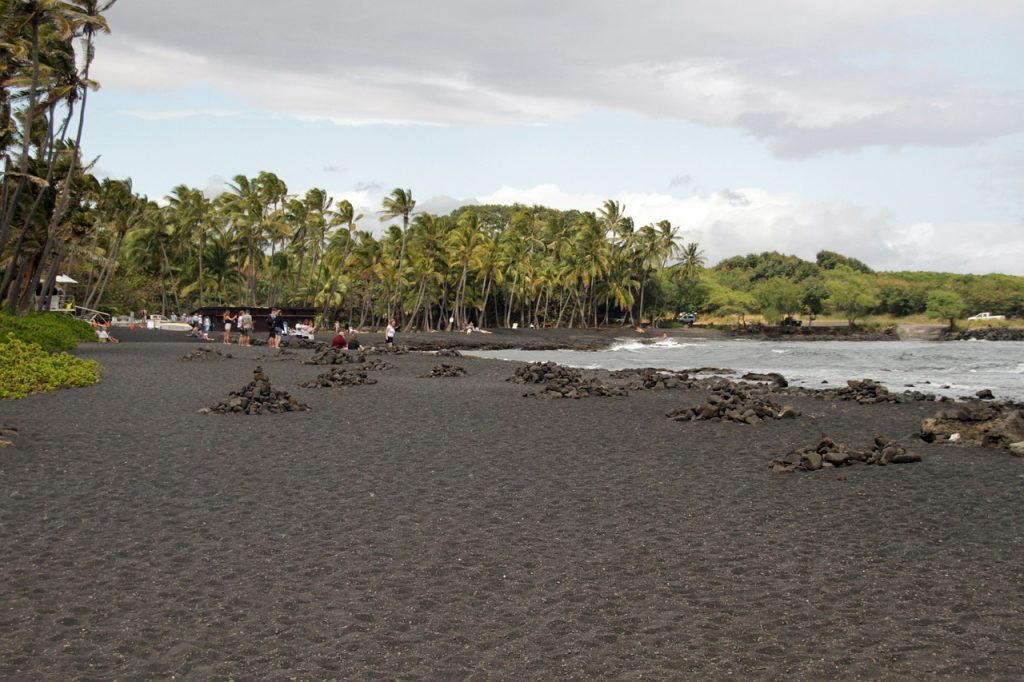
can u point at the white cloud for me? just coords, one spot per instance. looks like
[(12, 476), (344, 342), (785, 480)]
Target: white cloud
[(803, 75), (764, 221), (168, 115)]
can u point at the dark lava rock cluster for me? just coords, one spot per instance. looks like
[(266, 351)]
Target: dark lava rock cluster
[(340, 377), (733, 402), (988, 334), (829, 455), (325, 355), (448, 353), (305, 344), (444, 370), (649, 379), (206, 353), (376, 365), (556, 381), (258, 397), (990, 425)]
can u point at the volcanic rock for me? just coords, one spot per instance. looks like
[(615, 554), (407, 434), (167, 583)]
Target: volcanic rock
[(333, 356), (444, 370), (338, 376), (736, 403), (258, 397), (562, 382), (829, 454), (206, 353), (985, 424)]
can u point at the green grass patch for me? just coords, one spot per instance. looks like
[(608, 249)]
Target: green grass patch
[(26, 368), (50, 331)]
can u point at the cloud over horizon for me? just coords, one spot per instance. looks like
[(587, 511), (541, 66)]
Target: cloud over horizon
[(804, 77)]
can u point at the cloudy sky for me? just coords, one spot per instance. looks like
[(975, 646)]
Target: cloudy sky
[(892, 132)]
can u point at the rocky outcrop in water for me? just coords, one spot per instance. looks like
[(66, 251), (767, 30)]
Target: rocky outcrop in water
[(258, 397), (987, 334)]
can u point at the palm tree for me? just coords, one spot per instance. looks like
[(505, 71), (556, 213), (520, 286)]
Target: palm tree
[(191, 214), (124, 211), (338, 249), (399, 204)]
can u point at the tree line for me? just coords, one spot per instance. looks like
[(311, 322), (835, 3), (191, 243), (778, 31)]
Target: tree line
[(259, 245)]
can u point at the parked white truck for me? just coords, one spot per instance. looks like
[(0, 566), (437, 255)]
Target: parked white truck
[(986, 316)]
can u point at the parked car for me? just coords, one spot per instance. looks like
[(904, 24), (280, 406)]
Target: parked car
[(121, 321), (687, 318), (790, 322), (986, 316)]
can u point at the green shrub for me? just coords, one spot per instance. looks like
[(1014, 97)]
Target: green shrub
[(51, 331), (26, 368)]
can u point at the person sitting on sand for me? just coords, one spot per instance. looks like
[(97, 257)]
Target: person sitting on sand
[(353, 340), (339, 341)]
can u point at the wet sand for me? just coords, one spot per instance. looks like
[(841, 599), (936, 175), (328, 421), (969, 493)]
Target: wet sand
[(452, 529)]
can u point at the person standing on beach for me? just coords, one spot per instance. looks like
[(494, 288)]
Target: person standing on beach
[(229, 318), (272, 329), (389, 335), (244, 328)]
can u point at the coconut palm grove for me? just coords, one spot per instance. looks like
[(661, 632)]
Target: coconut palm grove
[(262, 243)]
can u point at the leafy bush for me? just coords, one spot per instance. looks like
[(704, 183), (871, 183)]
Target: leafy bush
[(26, 368), (51, 331)]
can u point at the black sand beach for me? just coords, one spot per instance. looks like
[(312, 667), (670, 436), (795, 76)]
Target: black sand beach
[(449, 528)]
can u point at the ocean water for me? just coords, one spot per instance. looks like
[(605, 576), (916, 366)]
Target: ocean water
[(953, 368)]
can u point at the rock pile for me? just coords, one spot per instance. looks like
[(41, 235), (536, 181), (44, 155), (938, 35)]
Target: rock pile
[(989, 425), (868, 392), (206, 353), (557, 381), (444, 370), (774, 378), (732, 402), (829, 454), (258, 397), (377, 365), (326, 355), (305, 344), (650, 378), (384, 350), (340, 377), (448, 353)]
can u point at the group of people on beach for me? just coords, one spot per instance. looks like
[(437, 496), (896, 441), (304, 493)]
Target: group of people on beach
[(243, 321)]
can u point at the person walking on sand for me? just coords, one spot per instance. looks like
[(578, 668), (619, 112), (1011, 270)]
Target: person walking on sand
[(389, 335), (229, 318)]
